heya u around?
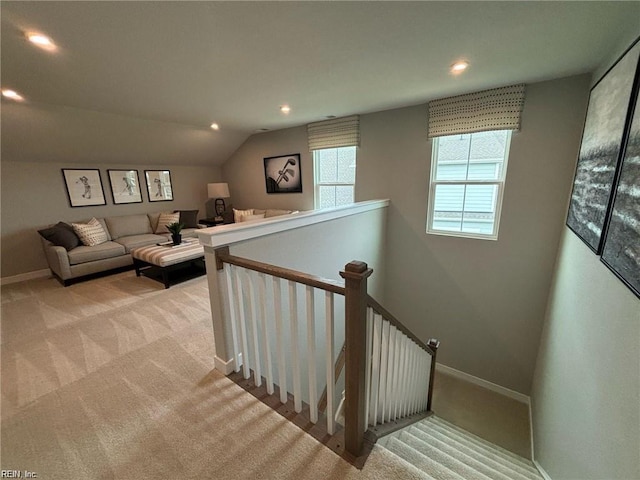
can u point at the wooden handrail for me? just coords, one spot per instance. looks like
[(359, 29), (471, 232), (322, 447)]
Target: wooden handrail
[(334, 286), (396, 323)]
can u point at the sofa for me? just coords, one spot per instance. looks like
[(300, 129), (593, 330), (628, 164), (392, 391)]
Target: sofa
[(123, 234)]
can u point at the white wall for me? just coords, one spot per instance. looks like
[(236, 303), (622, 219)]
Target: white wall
[(484, 300), (34, 196), (586, 391)]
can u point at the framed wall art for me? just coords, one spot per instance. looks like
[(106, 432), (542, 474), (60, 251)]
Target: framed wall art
[(84, 187), (125, 186), (282, 174), (621, 251), (159, 185), (602, 138)]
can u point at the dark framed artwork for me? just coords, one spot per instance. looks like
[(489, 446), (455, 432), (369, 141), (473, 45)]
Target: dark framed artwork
[(125, 186), (282, 174), (159, 185), (602, 137), (84, 187), (621, 251)]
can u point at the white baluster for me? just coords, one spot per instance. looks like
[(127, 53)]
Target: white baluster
[(384, 358), (368, 353), (243, 330), (232, 297), (295, 349), (405, 376), (388, 410), (311, 354), (396, 374), (253, 323), (266, 347), (375, 369), (413, 383), (330, 358), (282, 364)]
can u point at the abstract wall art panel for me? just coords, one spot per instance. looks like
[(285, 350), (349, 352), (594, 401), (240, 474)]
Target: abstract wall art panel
[(607, 116), (621, 251)]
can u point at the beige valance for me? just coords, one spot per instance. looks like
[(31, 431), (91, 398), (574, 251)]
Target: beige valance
[(337, 132), (495, 109)]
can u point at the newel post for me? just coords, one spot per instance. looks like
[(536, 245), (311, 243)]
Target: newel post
[(433, 343), (355, 275)]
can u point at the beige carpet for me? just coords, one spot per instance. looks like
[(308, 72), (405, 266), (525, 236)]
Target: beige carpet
[(113, 379)]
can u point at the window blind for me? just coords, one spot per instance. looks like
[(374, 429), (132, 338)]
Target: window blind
[(495, 109), (337, 132)]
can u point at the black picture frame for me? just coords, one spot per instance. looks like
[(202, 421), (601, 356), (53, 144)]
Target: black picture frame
[(84, 187), (283, 174), (621, 249), (159, 186), (608, 116), (125, 186)]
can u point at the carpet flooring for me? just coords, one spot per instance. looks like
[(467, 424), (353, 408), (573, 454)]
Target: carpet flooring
[(114, 378)]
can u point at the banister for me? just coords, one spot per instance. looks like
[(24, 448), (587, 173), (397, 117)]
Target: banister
[(334, 286), (398, 324)]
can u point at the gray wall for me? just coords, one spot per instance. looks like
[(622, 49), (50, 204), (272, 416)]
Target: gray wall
[(586, 391), (484, 300), (34, 196), (244, 171)]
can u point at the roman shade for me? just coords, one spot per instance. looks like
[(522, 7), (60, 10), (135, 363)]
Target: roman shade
[(495, 109), (337, 132)]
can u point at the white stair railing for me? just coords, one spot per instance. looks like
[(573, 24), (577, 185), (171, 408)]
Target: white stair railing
[(277, 332)]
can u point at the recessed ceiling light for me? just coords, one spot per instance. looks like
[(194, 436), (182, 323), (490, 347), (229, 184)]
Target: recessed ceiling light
[(459, 67), (41, 41), (330, 116), (285, 109), (263, 130), (12, 94), (215, 126)]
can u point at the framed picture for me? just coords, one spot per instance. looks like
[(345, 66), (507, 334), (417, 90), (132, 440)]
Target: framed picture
[(602, 137), (125, 186), (159, 185), (84, 187), (282, 174), (621, 251)]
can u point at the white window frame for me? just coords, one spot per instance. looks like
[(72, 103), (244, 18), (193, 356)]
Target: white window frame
[(316, 176), (500, 183)]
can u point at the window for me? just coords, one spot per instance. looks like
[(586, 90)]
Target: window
[(335, 176), (467, 182)]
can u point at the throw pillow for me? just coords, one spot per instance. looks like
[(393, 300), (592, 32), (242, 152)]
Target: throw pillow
[(257, 216), (188, 217), (61, 235), (165, 219), (238, 215), (90, 233)]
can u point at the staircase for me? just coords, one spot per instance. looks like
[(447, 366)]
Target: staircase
[(442, 451)]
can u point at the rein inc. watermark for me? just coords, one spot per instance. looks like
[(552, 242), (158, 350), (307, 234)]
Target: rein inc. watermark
[(18, 474)]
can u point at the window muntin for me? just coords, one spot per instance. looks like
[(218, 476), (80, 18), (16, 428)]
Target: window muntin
[(335, 176), (467, 183)]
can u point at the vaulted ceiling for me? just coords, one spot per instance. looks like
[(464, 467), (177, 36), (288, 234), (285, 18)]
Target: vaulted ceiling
[(142, 81)]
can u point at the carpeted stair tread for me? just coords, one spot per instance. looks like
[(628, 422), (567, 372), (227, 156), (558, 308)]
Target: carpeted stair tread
[(474, 459), (476, 442), (420, 461), (404, 466), (452, 463)]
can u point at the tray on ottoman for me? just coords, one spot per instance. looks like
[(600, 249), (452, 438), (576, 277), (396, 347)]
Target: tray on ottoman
[(157, 261)]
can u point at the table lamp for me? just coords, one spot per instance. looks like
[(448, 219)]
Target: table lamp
[(219, 191)]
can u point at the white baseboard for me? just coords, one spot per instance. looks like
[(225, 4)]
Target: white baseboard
[(224, 367), (544, 474), (520, 397), (25, 276)]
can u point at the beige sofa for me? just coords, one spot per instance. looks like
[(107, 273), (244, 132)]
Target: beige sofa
[(124, 233)]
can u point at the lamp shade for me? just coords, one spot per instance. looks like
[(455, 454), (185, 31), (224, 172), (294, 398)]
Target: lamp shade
[(218, 190)]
